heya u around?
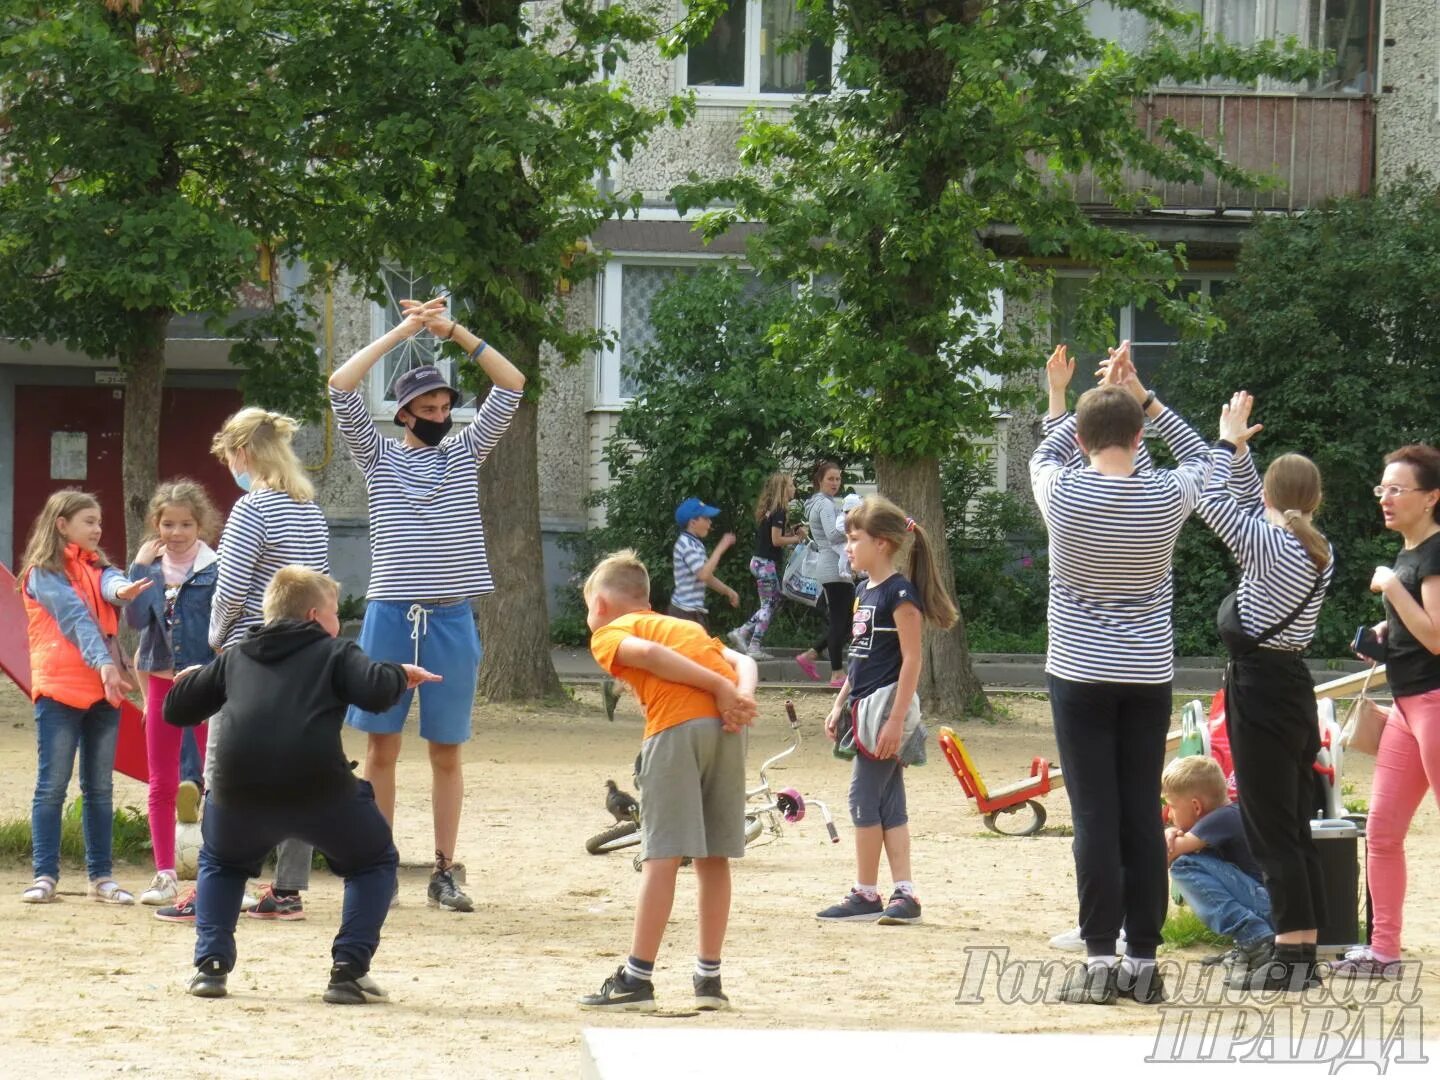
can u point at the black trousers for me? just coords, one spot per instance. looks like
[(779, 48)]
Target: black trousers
[(1112, 749), (1274, 737), (839, 618)]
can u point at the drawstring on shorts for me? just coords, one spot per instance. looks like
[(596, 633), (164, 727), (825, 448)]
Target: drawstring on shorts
[(419, 619)]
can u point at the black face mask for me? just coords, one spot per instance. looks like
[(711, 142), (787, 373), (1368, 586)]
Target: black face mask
[(430, 432)]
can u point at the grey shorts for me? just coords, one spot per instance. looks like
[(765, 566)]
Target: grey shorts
[(692, 792), (877, 793)]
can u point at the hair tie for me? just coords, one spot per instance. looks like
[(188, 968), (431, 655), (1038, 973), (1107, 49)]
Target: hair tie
[(1292, 515), (909, 524)]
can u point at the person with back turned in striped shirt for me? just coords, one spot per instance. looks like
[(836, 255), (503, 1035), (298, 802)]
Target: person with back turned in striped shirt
[(427, 558), (1110, 660), (1285, 566)]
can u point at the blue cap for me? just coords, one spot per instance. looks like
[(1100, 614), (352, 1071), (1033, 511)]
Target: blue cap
[(691, 509)]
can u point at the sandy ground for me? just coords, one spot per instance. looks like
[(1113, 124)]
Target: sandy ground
[(95, 990)]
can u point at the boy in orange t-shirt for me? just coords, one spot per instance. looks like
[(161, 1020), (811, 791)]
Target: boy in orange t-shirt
[(699, 697)]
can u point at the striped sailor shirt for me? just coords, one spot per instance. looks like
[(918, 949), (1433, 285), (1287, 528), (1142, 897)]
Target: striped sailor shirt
[(1276, 571), (427, 541), (266, 530), (1112, 539), (688, 560)]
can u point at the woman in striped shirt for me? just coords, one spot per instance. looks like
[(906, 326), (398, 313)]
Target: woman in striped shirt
[(1286, 566)]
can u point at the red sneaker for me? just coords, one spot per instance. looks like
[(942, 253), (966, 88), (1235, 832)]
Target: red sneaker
[(288, 908)]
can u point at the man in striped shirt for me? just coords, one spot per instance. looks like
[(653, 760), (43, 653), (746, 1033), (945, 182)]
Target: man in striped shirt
[(427, 559), (1110, 660)]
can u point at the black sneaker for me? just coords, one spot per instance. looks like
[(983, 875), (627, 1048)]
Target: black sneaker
[(183, 910), (1085, 985), (1146, 986), (708, 995), (902, 908), (1276, 975), (619, 994), (856, 907), (1222, 959), (347, 987), (444, 895), (1245, 958), (209, 979)]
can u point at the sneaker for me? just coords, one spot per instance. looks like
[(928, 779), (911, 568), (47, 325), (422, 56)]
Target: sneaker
[(187, 802), (1249, 957), (739, 639), (1145, 985), (610, 695), (808, 666), (183, 910), (1278, 975), (708, 995), (347, 987), (209, 979), (856, 907), (162, 890), (1085, 985), (619, 994), (902, 909), (283, 908), (443, 893), (1071, 941), (757, 653), (1363, 964), (250, 901), (108, 891)]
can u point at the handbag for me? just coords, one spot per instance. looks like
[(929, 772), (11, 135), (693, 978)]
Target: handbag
[(1232, 633), (1364, 722), (799, 582)]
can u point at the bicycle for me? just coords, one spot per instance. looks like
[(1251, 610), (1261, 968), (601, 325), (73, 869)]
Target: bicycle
[(765, 810)]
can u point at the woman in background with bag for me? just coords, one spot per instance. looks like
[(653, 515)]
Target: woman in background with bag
[(1407, 763), (771, 538), (1266, 624), (824, 520)]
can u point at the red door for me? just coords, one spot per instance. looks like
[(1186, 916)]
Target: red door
[(70, 436)]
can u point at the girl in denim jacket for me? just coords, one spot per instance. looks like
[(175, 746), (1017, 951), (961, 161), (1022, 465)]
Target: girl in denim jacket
[(173, 617)]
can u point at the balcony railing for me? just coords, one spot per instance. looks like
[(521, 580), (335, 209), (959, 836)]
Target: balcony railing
[(1317, 147)]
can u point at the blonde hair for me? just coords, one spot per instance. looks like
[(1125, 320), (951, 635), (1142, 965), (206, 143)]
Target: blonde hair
[(182, 491), (883, 520), (1292, 488), (621, 573), (265, 437), (772, 495), (45, 550), (1195, 776), (295, 591)]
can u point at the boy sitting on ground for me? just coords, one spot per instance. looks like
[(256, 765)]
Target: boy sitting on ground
[(1211, 863), (281, 772), (698, 698)]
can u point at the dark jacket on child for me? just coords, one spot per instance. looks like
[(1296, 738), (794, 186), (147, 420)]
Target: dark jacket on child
[(284, 689)]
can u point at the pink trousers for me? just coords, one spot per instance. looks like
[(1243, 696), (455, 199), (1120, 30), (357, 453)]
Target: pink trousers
[(162, 757), (1406, 766)]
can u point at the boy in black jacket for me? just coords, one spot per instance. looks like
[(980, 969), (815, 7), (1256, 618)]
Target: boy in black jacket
[(281, 772)]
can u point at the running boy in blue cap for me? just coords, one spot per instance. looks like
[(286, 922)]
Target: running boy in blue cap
[(693, 571), (427, 558)]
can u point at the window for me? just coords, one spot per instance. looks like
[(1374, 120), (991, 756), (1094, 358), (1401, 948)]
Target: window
[(1346, 28), (743, 54), (1152, 339), (419, 350)]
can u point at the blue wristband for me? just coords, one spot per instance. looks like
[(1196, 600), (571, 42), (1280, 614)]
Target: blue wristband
[(475, 352)]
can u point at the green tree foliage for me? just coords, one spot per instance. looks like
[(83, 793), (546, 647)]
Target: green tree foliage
[(908, 192), (1333, 323), (147, 158)]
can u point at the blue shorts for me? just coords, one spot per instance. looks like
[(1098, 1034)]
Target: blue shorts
[(449, 647)]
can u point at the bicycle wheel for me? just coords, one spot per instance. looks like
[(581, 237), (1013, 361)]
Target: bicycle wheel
[(753, 827), (622, 835)]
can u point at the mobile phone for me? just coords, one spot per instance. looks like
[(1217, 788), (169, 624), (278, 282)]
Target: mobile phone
[(1367, 644)]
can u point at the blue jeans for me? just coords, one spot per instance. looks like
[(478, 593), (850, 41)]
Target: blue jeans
[(59, 731), (1225, 898), (351, 833)]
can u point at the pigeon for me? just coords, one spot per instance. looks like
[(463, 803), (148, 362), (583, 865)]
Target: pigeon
[(621, 804)]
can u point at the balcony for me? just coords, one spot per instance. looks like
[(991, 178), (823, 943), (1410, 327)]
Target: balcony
[(1318, 148)]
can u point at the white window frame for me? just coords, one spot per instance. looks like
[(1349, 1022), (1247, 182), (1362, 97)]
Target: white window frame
[(380, 325), (750, 93)]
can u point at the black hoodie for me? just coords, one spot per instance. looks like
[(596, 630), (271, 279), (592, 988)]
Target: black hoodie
[(284, 688)]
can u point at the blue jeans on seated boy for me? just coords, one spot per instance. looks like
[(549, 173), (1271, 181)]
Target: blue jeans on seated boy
[(1225, 898), (351, 833), (59, 731)]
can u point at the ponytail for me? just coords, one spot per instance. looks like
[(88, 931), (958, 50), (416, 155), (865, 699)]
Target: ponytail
[(939, 608), (1292, 488), (1310, 537)]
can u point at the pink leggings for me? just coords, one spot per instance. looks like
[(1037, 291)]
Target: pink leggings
[(162, 757), (1407, 765)]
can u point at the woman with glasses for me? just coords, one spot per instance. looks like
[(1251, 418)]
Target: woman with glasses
[(1407, 764)]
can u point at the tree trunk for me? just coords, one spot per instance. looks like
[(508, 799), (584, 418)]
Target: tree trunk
[(948, 685), (514, 619), (144, 370)]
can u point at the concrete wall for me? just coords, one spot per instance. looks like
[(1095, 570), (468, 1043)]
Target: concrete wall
[(1408, 112)]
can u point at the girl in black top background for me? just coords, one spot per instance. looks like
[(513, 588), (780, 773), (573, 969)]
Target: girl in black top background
[(770, 540)]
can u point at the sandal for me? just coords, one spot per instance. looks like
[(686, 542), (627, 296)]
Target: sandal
[(108, 891), (41, 892)]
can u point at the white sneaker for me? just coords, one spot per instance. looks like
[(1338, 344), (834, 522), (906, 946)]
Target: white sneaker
[(756, 653), (739, 639), (250, 902), (1071, 941), (162, 890)]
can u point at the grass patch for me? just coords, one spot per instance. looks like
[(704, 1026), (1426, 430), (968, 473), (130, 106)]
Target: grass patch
[(131, 836), (1183, 928)]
